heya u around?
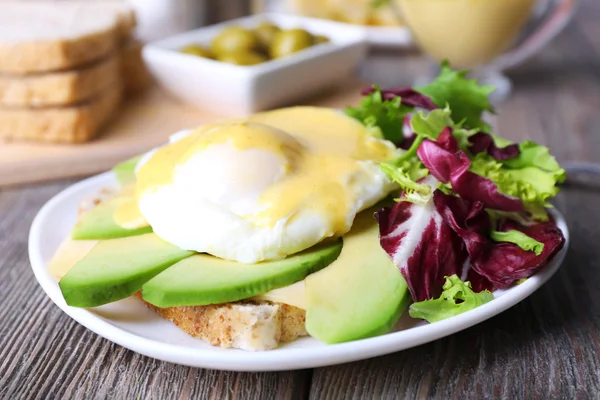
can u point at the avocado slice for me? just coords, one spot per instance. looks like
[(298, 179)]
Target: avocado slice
[(125, 171), (204, 279), (99, 223), (361, 294), (115, 269)]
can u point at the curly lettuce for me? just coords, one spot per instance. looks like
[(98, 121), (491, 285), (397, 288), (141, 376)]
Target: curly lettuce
[(382, 116), (520, 239), (457, 297), (467, 99), (534, 186)]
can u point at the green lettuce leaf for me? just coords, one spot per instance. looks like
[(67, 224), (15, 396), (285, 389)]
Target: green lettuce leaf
[(535, 155), (383, 117), (520, 239), (499, 141), (466, 98), (457, 298), (407, 175), (431, 125), (532, 185)]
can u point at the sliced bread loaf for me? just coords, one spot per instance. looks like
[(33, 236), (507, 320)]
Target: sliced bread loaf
[(58, 88), (72, 124), (133, 70), (37, 36)]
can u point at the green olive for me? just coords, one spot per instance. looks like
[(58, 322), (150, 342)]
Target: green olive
[(233, 39), (321, 39), (265, 32), (197, 50), (290, 41), (242, 58)]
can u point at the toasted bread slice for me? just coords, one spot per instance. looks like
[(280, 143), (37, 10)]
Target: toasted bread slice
[(59, 88), (73, 124), (245, 325), (37, 36)]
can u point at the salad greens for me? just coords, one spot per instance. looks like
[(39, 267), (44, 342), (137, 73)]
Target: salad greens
[(407, 178), (465, 97), (531, 184), (456, 298), (464, 193), (520, 239), (383, 116)]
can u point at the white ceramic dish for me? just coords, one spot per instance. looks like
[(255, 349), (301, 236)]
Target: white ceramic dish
[(130, 324), (229, 89), (389, 37)]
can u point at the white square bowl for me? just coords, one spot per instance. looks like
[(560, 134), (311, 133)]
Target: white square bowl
[(228, 89)]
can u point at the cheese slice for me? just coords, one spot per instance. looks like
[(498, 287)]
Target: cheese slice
[(293, 295), (69, 253)]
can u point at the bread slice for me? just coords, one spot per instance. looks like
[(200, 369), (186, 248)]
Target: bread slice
[(126, 18), (125, 15), (133, 70), (245, 325), (38, 36), (59, 88), (73, 124)]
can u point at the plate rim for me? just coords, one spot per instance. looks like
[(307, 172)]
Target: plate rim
[(281, 359)]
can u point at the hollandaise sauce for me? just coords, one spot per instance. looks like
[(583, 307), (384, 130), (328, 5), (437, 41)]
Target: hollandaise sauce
[(270, 170)]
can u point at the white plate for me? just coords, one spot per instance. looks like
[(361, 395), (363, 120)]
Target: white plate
[(130, 324)]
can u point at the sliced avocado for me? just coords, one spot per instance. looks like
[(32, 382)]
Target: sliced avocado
[(115, 269), (204, 279), (361, 294), (125, 171), (99, 223)]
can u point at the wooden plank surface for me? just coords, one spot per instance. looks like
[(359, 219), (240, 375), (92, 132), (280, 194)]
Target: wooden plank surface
[(546, 347)]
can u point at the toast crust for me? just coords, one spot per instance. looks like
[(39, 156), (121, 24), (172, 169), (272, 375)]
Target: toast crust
[(73, 124), (41, 56), (245, 325), (58, 88), (37, 36)]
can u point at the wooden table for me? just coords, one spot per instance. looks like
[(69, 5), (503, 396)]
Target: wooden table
[(546, 347)]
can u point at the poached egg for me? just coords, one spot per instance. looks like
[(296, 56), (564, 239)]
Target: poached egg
[(263, 187)]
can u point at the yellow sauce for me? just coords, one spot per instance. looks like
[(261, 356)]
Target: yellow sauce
[(467, 33), (127, 213), (334, 142), (322, 151), (326, 131)]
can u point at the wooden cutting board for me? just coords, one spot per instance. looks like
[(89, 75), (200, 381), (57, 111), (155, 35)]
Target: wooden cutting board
[(143, 123)]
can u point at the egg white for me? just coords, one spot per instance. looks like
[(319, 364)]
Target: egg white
[(206, 208)]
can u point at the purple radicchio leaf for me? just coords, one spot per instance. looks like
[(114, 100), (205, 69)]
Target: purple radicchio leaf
[(497, 262), (482, 141), (423, 247), (409, 97), (409, 135), (449, 164)]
